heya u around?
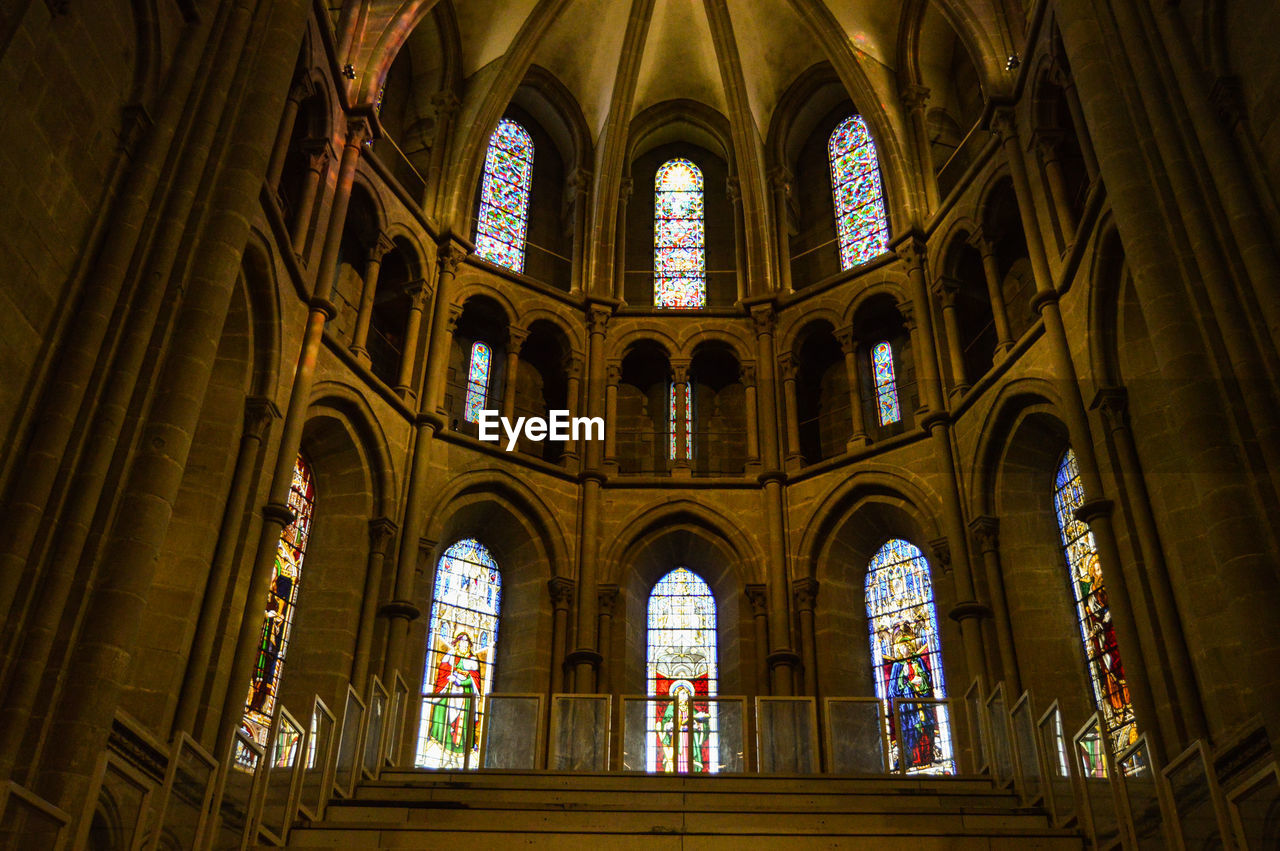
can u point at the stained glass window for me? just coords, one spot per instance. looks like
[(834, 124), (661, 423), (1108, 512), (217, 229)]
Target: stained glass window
[(1106, 672), (504, 196), (683, 732), (674, 413), (679, 237), (282, 598), (886, 383), (906, 659), (861, 222), (460, 655), (477, 381)]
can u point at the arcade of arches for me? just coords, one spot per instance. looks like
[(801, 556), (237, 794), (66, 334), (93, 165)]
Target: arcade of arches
[(935, 341)]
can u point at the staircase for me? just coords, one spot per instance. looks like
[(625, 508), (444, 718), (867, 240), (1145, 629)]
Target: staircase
[(491, 809)]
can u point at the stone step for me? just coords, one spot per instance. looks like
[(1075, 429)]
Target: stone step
[(501, 840)]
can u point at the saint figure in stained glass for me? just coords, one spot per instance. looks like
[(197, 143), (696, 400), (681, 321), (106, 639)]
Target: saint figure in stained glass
[(681, 668), (282, 599), (906, 659), (679, 236), (886, 383), (466, 602), (862, 225), (504, 196), (1102, 653), (477, 381)]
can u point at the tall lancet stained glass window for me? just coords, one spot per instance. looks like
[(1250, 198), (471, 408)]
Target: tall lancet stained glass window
[(1106, 672), (906, 659), (862, 224), (679, 236), (478, 368), (504, 196), (886, 383), (680, 407), (682, 732), (282, 599), (461, 642)]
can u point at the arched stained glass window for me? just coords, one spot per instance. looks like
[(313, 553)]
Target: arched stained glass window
[(682, 731), (886, 383), (282, 598), (477, 380), (465, 605), (861, 222), (676, 410), (679, 236), (906, 659), (504, 196), (1106, 673)]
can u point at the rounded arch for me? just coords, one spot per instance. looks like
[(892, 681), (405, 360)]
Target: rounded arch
[(816, 319), (553, 106), (567, 330), (1011, 403), (367, 433), (680, 120), (638, 337), (1106, 284), (891, 286), (262, 292), (693, 340), (476, 291)]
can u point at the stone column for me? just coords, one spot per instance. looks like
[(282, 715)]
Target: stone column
[(985, 243), (947, 290), (620, 242), (908, 314), (515, 342), (573, 369), (275, 169), (914, 99), (780, 179), (849, 346), (418, 293), (317, 152), (734, 191), (578, 189), (758, 598), (382, 532), (259, 413), (1049, 144), (747, 375), (986, 535), (368, 295), (561, 590), (680, 386), (614, 376), (787, 363), (1004, 125), (766, 395), (606, 598), (805, 592), (1059, 75)]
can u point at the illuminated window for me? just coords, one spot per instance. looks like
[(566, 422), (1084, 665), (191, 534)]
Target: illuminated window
[(1106, 672), (861, 223), (674, 413), (906, 659), (282, 598), (460, 654), (504, 196), (683, 733), (477, 381), (679, 237), (886, 383)]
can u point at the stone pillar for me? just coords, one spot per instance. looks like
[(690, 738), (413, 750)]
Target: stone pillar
[(275, 169), (418, 293), (1004, 125), (908, 314), (985, 243), (681, 465), (747, 375), (317, 152), (780, 179), (606, 598), (914, 99), (849, 346), (620, 242), (766, 396), (805, 592), (1060, 76), (986, 536), (259, 413), (947, 289), (573, 370), (758, 598), (920, 321), (614, 376), (1049, 144), (382, 532), (368, 295), (734, 190), (577, 190), (787, 363), (561, 590), (515, 342)]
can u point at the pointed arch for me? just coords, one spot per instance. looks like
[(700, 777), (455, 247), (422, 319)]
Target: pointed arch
[(679, 236), (862, 222), (503, 219)]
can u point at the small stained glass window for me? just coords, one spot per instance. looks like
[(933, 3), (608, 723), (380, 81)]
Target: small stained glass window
[(886, 383), (676, 410), (477, 381), (683, 731), (463, 635), (862, 224), (504, 196), (282, 599), (1093, 612), (906, 659), (679, 237)]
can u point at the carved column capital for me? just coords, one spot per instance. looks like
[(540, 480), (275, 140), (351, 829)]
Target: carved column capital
[(941, 553), (606, 599), (455, 313), (680, 370), (733, 188), (515, 339), (907, 311), (986, 533), (915, 97), (598, 318), (574, 365), (912, 252), (805, 592), (382, 532), (1004, 123), (259, 411), (561, 590), (781, 179), (848, 342), (762, 316), (1113, 404), (946, 288), (359, 131), (758, 597), (450, 255), (788, 366), (380, 247), (613, 373), (984, 240), (747, 373)]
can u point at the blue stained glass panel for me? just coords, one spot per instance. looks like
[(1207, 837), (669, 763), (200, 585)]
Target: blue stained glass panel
[(463, 636), (504, 196), (906, 658), (679, 237), (1093, 611), (886, 384), (681, 664), (862, 226), (477, 381)]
